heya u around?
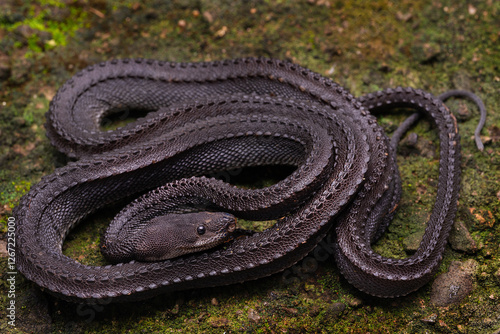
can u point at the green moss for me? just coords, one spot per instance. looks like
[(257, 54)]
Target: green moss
[(83, 243), (364, 46), (40, 19), (9, 195), (13, 191)]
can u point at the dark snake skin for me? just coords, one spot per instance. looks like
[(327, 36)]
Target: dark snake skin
[(166, 236), (219, 116)]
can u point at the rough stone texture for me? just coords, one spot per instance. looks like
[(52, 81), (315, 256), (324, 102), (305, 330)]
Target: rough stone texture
[(461, 240), (3, 248), (453, 286), (25, 32), (253, 315), (336, 309), (412, 242)]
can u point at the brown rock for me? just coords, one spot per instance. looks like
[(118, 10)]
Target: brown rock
[(336, 309), (4, 67), (253, 315), (25, 31), (355, 302), (219, 322), (461, 240), (455, 285), (411, 242)]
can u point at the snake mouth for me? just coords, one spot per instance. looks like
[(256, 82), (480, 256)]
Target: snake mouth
[(231, 221), (231, 226)]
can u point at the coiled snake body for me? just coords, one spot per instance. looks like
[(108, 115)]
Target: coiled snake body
[(218, 116)]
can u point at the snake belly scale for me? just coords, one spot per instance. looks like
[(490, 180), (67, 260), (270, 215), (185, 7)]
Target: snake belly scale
[(208, 117)]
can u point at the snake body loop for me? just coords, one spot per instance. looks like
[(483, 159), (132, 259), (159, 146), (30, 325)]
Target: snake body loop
[(210, 117)]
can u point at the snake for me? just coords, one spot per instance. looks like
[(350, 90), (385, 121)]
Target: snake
[(166, 236), (207, 117)]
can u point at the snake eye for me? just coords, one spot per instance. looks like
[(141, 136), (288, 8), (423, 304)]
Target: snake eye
[(201, 230)]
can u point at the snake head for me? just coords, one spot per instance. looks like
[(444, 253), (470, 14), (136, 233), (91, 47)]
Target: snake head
[(173, 235)]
